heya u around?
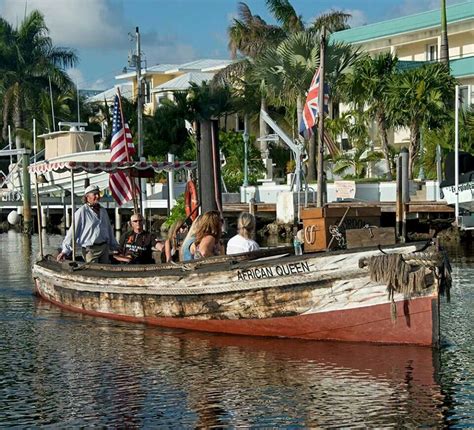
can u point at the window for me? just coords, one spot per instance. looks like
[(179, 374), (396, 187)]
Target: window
[(159, 99), (432, 53), (147, 89)]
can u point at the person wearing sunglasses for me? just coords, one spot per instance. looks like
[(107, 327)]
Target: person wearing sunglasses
[(136, 246), (93, 231)]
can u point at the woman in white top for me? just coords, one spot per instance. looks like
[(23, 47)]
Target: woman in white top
[(243, 242)]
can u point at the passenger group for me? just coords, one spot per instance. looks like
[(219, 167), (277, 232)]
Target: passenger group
[(95, 237)]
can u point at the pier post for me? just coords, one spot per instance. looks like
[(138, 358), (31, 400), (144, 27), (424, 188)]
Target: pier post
[(403, 194), (27, 215), (209, 167)]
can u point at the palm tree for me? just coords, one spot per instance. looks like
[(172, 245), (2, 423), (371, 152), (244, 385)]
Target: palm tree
[(366, 87), (418, 98), (358, 160), (250, 35), (291, 22), (444, 54), (289, 68), (27, 59)]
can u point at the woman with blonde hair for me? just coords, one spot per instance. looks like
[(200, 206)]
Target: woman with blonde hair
[(243, 240), (208, 236)]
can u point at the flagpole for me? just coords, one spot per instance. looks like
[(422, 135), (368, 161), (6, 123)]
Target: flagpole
[(321, 186), (132, 180)]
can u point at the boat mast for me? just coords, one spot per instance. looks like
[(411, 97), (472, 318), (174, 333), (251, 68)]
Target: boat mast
[(321, 179)]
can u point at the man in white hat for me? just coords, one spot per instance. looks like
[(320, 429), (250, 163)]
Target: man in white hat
[(93, 231)]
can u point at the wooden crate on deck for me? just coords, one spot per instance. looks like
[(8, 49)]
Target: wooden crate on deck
[(366, 237), (316, 223)]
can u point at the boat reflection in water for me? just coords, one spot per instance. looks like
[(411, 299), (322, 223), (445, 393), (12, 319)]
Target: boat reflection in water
[(114, 373)]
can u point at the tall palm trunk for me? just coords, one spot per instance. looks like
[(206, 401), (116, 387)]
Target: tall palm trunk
[(414, 147), (444, 54), (384, 141), (18, 124)]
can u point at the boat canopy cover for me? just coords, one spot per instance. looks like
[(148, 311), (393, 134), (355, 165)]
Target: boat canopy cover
[(136, 168)]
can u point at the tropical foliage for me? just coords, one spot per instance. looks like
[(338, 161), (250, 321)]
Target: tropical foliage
[(366, 88), (28, 63), (232, 145), (421, 97)]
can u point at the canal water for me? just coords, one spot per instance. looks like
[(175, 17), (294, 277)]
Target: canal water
[(61, 369)]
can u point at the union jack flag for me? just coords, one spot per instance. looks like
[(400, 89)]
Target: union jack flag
[(311, 107), (121, 149)]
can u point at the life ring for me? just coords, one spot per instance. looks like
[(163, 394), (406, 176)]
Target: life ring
[(191, 202)]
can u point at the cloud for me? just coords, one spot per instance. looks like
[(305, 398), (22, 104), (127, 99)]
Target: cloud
[(76, 76), (357, 18), (75, 23)]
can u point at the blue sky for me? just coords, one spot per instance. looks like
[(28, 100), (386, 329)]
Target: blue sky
[(173, 31)]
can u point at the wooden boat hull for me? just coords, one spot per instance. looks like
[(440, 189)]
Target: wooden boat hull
[(319, 297)]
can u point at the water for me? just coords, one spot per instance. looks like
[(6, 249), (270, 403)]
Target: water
[(62, 369)]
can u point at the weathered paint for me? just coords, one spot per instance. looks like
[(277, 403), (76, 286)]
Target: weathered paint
[(323, 297)]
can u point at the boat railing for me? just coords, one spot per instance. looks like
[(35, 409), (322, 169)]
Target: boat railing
[(8, 180)]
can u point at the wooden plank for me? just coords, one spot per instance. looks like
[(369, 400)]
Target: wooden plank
[(370, 237)]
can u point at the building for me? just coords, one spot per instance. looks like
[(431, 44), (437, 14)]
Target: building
[(417, 38), (162, 80)]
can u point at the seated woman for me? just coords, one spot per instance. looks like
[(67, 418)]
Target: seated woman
[(171, 243), (208, 235), (185, 250), (137, 246), (242, 241)]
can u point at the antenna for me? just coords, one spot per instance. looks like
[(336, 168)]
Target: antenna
[(78, 107)]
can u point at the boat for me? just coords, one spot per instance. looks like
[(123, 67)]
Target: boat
[(336, 295), (462, 192)]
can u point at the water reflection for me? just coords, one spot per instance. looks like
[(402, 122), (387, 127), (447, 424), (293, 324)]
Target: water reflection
[(121, 374)]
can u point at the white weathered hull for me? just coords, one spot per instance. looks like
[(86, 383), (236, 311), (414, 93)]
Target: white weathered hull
[(319, 296)]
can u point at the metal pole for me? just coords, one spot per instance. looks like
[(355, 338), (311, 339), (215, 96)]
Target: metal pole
[(73, 220), (246, 149), (10, 144), (38, 215), (34, 141), (138, 66), (78, 107), (421, 173), (456, 154), (439, 174), (320, 197)]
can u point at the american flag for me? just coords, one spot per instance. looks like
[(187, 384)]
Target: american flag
[(311, 107), (122, 149)]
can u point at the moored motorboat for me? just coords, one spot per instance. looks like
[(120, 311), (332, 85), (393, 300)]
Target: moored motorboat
[(368, 295)]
